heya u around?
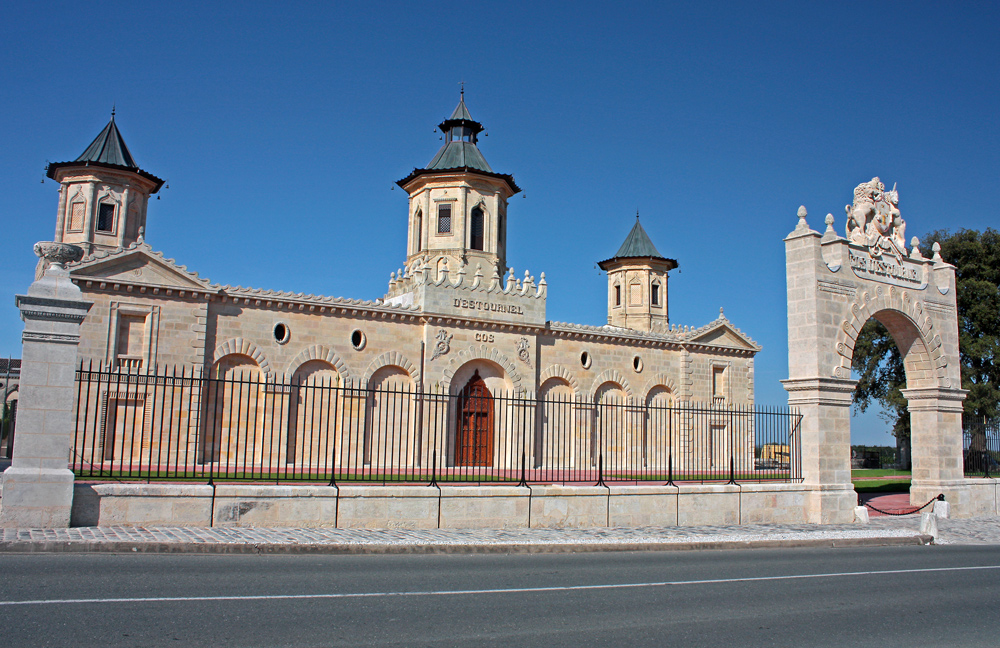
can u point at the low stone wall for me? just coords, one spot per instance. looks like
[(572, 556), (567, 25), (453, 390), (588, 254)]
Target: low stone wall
[(984, 497), (446, 507)]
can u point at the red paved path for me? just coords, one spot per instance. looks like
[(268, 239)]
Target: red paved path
[(890, 502)]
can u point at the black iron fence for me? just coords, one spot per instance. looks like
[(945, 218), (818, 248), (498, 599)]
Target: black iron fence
[(874, 457), (10, 373), (178, 424), (981, 446)]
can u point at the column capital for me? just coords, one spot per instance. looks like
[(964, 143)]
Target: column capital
[(820, 391), (934, 398)]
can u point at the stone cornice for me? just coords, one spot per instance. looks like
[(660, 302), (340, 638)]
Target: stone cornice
[(678, 338), (820, 391), (934, 398), (50, 309)]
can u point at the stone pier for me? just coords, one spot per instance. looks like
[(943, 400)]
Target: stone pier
[(38, 486)]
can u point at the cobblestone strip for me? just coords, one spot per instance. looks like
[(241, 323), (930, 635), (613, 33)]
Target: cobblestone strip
[(94, 538)]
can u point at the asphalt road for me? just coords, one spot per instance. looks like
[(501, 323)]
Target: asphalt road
[(906, 596)]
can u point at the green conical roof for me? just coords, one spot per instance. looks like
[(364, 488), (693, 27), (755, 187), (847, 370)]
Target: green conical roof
[(109, 148), (461, 112), (637, 245), (460, 152), (459, 155)]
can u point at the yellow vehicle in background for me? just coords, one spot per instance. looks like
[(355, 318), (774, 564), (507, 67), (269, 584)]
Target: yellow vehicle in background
[(774, 455)]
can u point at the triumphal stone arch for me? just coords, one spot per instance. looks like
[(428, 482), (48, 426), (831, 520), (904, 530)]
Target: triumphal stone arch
[(836, 284)]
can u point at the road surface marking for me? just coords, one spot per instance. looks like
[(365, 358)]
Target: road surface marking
[(512, 590)]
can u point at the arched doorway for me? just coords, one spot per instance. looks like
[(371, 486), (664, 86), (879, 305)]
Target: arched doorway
[(474, 436)]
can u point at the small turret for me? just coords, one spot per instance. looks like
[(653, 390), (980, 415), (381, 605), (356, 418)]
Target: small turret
[(637, 283), (103, 194), (458, 204)]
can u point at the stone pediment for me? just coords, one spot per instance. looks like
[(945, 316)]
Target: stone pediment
[(138, 265), (722, 333)]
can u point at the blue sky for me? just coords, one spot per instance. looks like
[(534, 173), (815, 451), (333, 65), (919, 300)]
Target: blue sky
[(282, 127)]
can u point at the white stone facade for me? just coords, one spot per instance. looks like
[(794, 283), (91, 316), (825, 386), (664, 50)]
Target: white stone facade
[(452, 305)]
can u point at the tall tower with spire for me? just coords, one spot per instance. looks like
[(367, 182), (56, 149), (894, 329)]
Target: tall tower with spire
[(458, 204), (637, 283), (103, 194)]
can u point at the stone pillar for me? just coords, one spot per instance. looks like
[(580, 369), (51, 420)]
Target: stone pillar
[(825, 438), (936, 442), (821, 395), (38, 486)]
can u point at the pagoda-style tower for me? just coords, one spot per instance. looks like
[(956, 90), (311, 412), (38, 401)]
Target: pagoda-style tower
[(458, 204), (102, 194), (637, 283)]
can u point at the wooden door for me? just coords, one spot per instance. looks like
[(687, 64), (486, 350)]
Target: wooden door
[(474, 438)]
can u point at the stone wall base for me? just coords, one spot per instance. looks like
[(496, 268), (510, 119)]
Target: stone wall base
[(970, 497), (447, 507), (36, 497)]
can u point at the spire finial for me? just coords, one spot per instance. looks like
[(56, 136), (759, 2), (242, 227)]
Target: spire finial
[(461, 85), (112, 111), (637, 213)]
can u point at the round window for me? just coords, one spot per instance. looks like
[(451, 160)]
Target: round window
[(585, 360), (637, 364), (282, 333), (358, 340)]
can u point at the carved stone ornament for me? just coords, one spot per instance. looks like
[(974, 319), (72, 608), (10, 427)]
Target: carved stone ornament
[(443, 344), (874, 221), (58, 253), (522, 351)]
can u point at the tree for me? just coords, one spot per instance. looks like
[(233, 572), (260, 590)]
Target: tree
[(976, 257)]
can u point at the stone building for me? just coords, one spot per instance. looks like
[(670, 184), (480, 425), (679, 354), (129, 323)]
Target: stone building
[(454, 317)]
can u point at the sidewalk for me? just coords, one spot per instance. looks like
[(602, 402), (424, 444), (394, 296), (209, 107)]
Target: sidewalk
[(883, 531)]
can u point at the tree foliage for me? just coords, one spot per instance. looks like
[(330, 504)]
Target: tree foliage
[(976, 257)]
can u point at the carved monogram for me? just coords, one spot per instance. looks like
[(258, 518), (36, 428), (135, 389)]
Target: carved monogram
[(443, 344), (522, 351)]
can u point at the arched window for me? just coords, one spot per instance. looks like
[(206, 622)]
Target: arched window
[(477, 229), (419, 234), (474, 437), (76, 211), (106, 218)]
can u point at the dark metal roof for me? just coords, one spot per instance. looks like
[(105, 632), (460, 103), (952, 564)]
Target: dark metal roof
[(506, 177), (461, 111), (459, 155), (455, 155), (10, 366), (110, 151), (109, 148), (461, 117), (638, 246)]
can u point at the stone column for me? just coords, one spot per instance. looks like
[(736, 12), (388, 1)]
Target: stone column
[(825, 438), (936, 442), (38, 486), (819, 393)]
